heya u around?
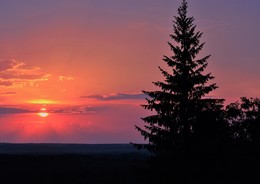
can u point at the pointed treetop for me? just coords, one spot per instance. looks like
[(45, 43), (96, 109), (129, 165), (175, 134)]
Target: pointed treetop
[(183, 9)]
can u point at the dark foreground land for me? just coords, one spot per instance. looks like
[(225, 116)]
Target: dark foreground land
[(70, 163), (92, 164)]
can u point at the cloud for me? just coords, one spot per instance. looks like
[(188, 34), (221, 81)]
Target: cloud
[(5, 83), (8, 93), (74, 110), (14, 110), (118, 96), (84, 109), (17, 74), (65, 78)]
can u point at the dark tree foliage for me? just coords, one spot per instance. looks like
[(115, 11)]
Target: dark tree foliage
[(244, 119), (181, 111)]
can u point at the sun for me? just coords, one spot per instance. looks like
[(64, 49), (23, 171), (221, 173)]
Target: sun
[(43, 109), (43, 112)]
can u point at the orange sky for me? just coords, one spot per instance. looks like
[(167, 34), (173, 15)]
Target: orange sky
[(72, 54), (60, 51)]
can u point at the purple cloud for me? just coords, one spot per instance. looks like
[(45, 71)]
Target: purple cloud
[(14, 110), (83, 109), (118, 96)]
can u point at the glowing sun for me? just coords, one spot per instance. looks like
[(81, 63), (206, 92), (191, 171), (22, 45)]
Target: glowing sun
[(43, 113)]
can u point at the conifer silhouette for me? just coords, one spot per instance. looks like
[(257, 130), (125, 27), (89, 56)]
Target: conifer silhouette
[(180, 103)]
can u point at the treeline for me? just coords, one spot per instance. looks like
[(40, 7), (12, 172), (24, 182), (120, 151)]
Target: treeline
[(237, 122), (182, 114), (243, 119)]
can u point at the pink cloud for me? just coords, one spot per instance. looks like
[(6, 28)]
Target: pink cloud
[(17, 74), (8, 93), (6, 83)]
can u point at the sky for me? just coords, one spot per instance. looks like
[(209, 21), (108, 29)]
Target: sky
[(73, 70)]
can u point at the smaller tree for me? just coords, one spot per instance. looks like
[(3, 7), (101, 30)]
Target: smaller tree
[(244, 119)]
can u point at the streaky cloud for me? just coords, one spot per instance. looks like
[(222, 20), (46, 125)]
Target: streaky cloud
[(8, 93), (118, 96), (74, 110), (5, 83), (14, 110)]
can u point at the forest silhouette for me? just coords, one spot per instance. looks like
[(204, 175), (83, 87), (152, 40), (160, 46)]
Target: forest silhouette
[(194, 137)]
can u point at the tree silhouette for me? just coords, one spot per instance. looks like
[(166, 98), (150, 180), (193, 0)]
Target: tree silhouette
[(180, 106), (244, 119)]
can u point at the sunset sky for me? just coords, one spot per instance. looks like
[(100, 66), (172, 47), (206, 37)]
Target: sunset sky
[(84, 63)]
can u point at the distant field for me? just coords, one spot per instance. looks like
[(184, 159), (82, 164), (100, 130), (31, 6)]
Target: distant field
[(123, 164), (71, 163)]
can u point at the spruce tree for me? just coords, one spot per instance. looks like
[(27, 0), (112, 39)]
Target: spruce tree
[(181, 100)]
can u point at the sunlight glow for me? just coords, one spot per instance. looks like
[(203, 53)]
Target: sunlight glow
[(43, 114), (43, 109), (42, 101)]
